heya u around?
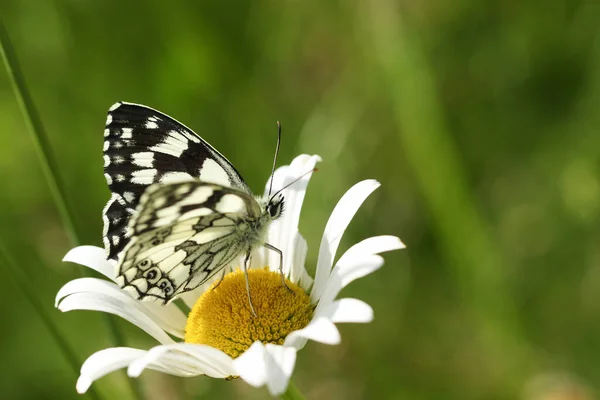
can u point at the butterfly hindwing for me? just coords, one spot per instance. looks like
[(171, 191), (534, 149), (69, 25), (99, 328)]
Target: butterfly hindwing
[(142, 147), (182, 234), (167, 204)]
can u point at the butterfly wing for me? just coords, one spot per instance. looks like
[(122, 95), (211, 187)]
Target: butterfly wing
[(182, 234), (143, 146)]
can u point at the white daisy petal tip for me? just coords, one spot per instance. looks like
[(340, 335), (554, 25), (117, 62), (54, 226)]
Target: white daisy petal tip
[(380, 244), (320, 329), (104, 362), (368, 185), (282, 362), (82, 285), (371, 246), (349, 310), (92, 257), (79, 254), (251, 365), (136, 368), (270, 365), (304, 159), (73, 254), (83, 384), (398, 245)]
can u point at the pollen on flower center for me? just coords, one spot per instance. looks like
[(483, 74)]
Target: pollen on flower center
[(222, 317)]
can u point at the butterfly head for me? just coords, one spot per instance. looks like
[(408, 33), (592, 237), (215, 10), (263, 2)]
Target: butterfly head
[(275, 206)]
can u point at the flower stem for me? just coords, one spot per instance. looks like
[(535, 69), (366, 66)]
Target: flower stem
[(48, 164), (292, 393)]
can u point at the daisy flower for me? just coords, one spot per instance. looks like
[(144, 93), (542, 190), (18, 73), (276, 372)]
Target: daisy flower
[(220, 337)]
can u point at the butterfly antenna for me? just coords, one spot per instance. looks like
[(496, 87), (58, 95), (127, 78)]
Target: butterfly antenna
[(292, 182), (275, 159)]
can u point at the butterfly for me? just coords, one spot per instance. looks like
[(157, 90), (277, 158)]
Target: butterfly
[(179, 212)]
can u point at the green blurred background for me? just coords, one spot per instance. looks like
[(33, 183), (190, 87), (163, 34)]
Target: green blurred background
[(480, 119)]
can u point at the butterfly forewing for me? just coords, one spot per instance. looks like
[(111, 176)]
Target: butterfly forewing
[(182, 234), (142, 147)]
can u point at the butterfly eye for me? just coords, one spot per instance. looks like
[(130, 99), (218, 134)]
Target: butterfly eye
[(274, 209)]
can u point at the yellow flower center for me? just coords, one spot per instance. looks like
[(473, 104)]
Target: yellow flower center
[(222, 317)]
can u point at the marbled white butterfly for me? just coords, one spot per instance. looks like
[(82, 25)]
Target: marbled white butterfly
[(179, 211)]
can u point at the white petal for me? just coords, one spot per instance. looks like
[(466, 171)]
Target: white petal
[(170, 318), (287, 173), (104, 362), (271, 365), (83, 285), (344, 273), (192, 359), (373, 245), (294, 194), (299, 273), (283, 231), (279, 177), (92, 257), (281, 366), (337, 224), (357, 262), (125, 307), (251, 366), (190, 298), (348, 310), (109, 360), (319, 329)]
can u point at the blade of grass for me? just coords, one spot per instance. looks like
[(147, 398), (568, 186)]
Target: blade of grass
[(465, 237), (20, 280), (48, 163), (38, 134)]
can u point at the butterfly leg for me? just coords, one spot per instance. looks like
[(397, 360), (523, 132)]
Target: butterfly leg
[(220, 280), (275, 249), (246, 262)]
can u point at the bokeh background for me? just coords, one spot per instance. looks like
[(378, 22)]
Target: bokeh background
[(480, 119)]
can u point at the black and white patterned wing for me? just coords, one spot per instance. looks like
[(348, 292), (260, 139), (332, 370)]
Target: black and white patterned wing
[(182, 234), (143, 146)]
